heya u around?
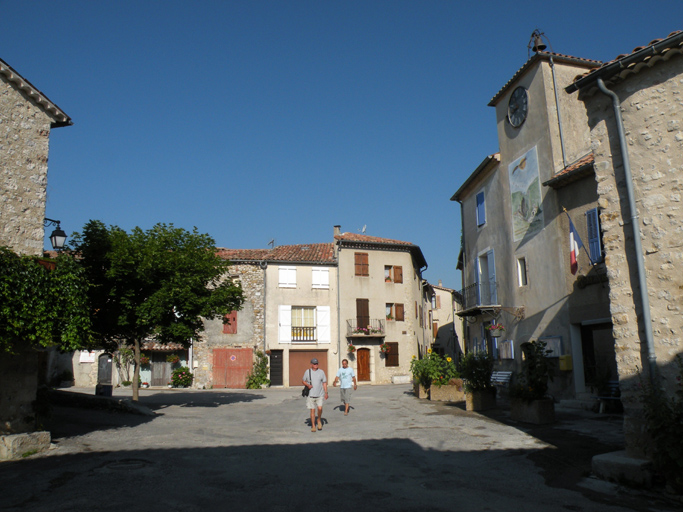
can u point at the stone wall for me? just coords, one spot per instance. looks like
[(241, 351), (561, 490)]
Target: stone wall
[(24, 143), (652, 109), (18, 390), (250, 325)]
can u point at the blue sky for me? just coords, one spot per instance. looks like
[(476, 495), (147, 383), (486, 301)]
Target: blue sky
[(258, 120)]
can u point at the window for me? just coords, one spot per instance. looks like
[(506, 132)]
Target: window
[(361, 263), (230, 324), (521, 272), (594, 244), (393, 274), (304, 324), (390, 312), (487, 292), (362, 312), (320, 277), (287, 277), (392, 356), (481, 209)]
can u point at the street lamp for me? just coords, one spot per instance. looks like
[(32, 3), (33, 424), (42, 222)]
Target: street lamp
[(58, 237)]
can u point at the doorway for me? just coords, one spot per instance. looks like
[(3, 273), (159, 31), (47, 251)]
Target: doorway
[(363, 364)]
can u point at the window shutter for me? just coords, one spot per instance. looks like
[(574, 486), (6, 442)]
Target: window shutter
[(361, 263), (323, 326), (416, 309), (287, 277), (438, 302), (493, 290), (481, 209), (320, 277), (362, 312), (392, 356), (285, 324), (398, 274), (593, 225), (435, 329), (231, 326), (400, 316)]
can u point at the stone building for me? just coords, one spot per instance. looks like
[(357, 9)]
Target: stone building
[(635, 115), (26, 118)]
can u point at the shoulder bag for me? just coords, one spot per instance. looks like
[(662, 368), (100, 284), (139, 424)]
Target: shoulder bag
[(307, 390)]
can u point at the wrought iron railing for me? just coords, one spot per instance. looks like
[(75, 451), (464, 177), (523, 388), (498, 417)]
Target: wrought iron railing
[(479, 294), (374, 327)]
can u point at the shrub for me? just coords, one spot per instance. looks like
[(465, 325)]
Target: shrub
[(663, 420), (433, 369), (259, 373), (476, 370), (182, 377), (536, 372)]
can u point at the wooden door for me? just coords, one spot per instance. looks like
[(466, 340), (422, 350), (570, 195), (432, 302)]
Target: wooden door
[(276, 368), (363, 360), (161, 369), (231, 367)]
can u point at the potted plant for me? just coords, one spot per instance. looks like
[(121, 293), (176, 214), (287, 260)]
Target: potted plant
[(361, 330), (351, 348), (530, 403), (476, 370), (145, 385), (384, 348), (173, 358), (496, 330), (390, 317), (181, 377), (433, 372), (144, 360)]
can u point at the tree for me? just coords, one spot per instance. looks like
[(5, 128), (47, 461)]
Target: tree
[(160, 283), (43, 305)]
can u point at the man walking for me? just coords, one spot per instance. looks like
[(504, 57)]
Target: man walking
[(316, 381), (346, 377)]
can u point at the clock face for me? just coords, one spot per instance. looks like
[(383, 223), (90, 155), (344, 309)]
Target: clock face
[(518, 107)]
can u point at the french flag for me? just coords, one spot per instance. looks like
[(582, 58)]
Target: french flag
[(575, 245)]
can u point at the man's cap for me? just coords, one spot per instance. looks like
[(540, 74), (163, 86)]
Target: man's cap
[(314, 361)]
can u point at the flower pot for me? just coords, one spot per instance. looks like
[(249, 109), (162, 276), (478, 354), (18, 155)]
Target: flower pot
[(496, 333), (537, 412), (480, 399), (453, 392), (420, 390)]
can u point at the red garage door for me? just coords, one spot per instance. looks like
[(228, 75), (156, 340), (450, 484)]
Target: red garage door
[(300, 361), (231, 367)]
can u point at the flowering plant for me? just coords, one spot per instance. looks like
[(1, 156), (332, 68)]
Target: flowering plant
[(433, 369), (385, 348), (496, 327), (173, 358), (144, 360), (182, 377), (366, 330), (351, 348)]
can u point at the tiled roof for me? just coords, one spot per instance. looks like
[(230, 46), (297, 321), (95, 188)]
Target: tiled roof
[(582, 167), (557, 57), (154, 345), (626, 64), (309, 253), (355, 237), (37, 97)]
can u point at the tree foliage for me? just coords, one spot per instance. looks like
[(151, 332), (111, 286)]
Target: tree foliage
[(40, 306), (157, 284)]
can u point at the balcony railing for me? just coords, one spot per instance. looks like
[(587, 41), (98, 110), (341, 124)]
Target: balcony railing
[(479, 294), (303, 334), (374, 327)]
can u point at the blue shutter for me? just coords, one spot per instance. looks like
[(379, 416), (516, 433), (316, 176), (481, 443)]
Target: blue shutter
[(593, 225), (481, 209)]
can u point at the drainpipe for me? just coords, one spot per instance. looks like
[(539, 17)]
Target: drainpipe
[(640, 261), (264, 266), (339, 351), (559, 117)]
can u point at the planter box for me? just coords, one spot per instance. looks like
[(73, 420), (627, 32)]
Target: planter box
[(538, 412), (480, 400), (453, 392), (420, 390)]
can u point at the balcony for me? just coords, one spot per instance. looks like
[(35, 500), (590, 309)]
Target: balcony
[(374, 327), (478, 297), (304, 334)]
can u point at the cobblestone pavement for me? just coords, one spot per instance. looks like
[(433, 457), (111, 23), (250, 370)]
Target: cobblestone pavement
[(198, 450)]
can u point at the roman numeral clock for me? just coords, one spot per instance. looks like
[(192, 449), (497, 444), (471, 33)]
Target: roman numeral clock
[(518, 107)]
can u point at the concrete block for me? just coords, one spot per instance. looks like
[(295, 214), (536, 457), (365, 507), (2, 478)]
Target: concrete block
[(401, 379), (17, 445), (619, 467)]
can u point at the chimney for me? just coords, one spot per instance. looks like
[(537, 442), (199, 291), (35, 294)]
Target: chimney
[(440, 284), (337, 230)]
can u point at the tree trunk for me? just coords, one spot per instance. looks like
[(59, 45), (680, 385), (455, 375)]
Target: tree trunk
[(136, 372)]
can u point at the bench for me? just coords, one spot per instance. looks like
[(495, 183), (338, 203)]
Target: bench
[(501, 378), (612, 393)]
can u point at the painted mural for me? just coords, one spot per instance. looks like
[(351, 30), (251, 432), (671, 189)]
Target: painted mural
[(525, 188)]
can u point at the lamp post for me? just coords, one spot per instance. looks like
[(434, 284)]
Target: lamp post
[(58, 236)]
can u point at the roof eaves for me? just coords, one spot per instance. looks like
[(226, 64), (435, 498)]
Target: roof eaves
[(486, 164), (35, 96)]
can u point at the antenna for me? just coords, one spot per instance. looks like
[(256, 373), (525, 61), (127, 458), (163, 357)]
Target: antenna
[(364, 228), (272, 243)]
